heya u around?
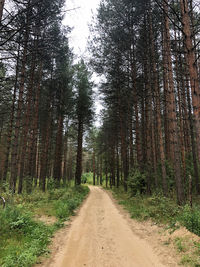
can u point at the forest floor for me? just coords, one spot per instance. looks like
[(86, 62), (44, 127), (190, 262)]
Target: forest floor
[(102, 234)]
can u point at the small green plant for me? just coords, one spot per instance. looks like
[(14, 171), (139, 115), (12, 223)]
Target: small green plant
[(185, 260), (179, 244)]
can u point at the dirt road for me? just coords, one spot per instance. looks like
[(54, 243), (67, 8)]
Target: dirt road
[(101, 237)]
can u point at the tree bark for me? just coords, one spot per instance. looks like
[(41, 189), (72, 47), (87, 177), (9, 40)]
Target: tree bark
[(192, 67), (158, 113), (57, 170), (94, 166), (14, 155), (79, 153), (172, 113), (2, 2)]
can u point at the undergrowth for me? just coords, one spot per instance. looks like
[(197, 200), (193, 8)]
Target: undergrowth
[(165, 211), (160, 210), (22, 237)]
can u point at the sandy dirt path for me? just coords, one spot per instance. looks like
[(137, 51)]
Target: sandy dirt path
[(100, 236)]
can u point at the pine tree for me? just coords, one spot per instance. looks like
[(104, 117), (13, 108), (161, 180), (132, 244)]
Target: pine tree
[(84, 102)]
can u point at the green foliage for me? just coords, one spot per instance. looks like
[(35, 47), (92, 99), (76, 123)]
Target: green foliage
[(179, 244), (69, 202), (156, 207), (83, 87), (87, 178), (161, 210), (23, 238), (136, 182), (190, 218)]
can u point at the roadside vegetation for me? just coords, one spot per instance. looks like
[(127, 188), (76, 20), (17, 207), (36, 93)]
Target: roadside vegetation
[(23, 236), (165, 212)]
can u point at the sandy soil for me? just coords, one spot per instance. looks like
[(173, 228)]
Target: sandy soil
[(103, 235)]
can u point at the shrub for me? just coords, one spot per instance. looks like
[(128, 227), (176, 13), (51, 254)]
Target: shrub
[(190, 218), (136, 182)]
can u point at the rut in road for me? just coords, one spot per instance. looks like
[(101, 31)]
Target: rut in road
[(101, 237)]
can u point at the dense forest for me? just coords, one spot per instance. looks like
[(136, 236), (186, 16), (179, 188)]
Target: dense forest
[(46, 99), (142, 67), (147, 55)]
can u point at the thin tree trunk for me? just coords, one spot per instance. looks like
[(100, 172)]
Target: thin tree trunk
[(118, 172), (79, 153), (131, 142), (101, 170), (94, 166), (65, 158), (44, 151), (10, 131), (158, 113), (194, 154), (57, 170), (26, 126), (193, 70), (172, 113), (2, 2), (14, 155), (34, 132)]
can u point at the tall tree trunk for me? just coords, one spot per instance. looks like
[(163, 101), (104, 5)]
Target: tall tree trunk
[(57, 170), (45, 150), (101, 170), (106, 171), (94, 166), (172, 112), (118, 172), (158, 112), (10, 130), (26, 126), (113, 165), (148, 112), (193, 70), (34, 133), (14, 155), (79, 153), (2, 2), (131, 141), (65, 158), (194, 154), (168, 152)]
